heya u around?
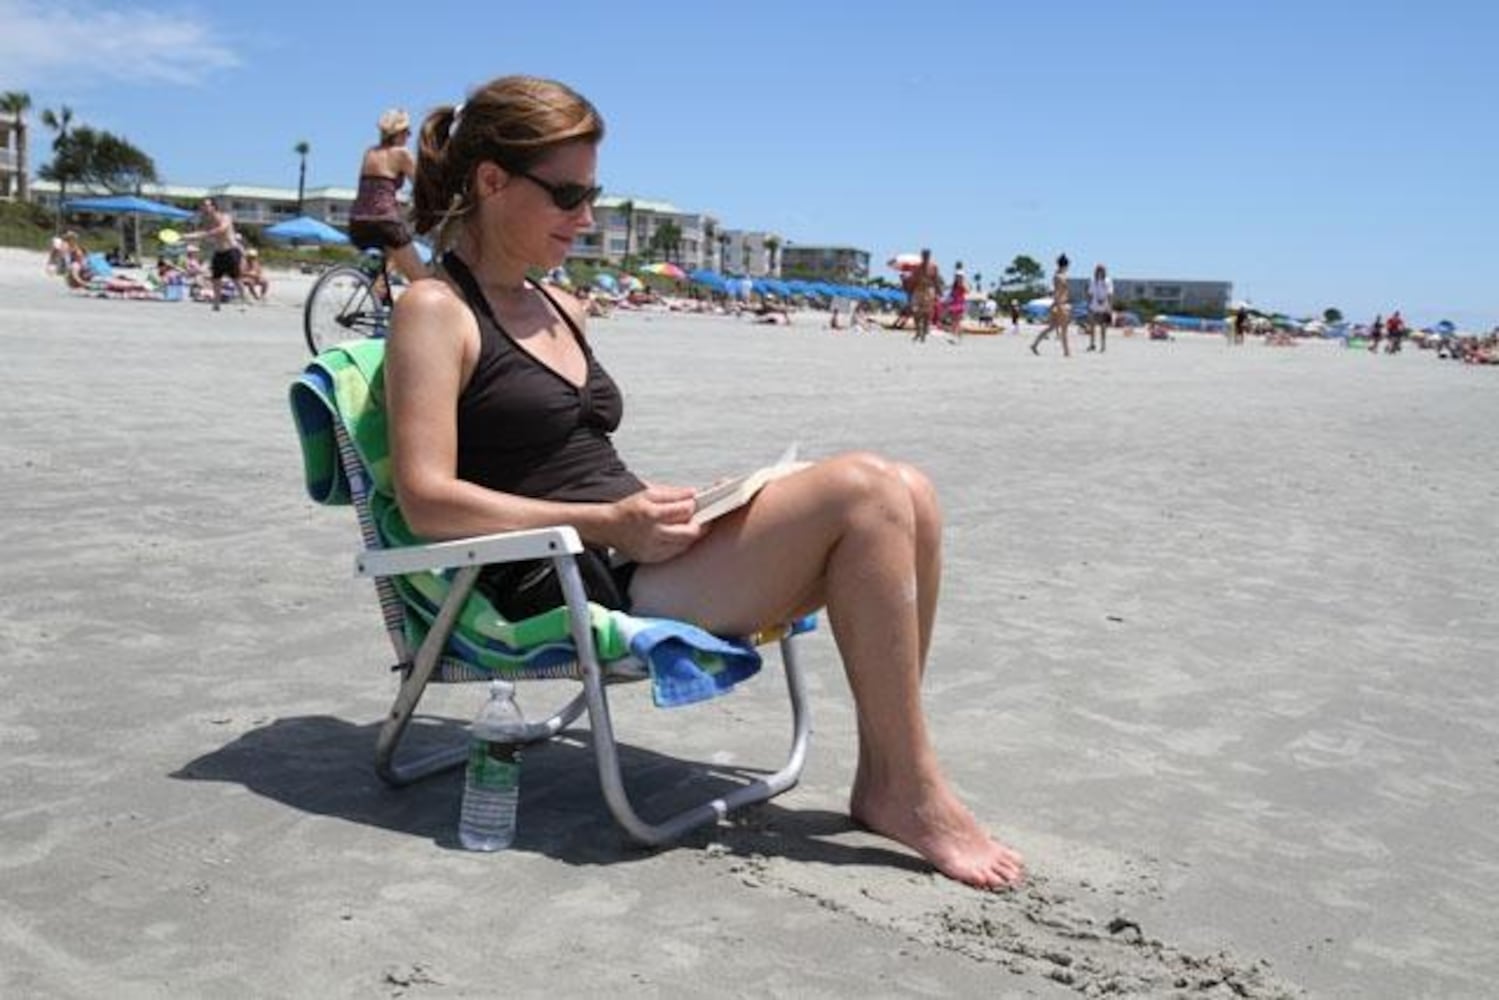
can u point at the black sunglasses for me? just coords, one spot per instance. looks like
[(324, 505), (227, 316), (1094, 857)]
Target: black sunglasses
[(567, 196)]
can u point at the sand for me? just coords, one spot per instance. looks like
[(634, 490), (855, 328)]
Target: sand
[(1216, 652)]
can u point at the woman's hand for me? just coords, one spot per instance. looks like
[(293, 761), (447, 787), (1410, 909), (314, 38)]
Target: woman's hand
[(655, 524)]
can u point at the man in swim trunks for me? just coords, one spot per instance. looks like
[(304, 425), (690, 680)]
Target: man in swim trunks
[(926, 286), (218, 229)]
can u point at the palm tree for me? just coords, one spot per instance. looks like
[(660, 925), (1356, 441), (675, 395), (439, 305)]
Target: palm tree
[(723, 250), (772, 244), (59, 122), (18, 102), (628, 210), (301, 149)]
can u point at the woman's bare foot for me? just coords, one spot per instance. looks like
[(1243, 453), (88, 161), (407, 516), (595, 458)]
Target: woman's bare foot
[(934, 824)]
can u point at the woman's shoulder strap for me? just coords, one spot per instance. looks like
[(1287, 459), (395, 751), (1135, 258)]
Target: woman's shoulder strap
[(564, 312)]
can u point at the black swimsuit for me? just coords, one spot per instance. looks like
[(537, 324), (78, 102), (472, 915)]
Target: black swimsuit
[(524, 429)]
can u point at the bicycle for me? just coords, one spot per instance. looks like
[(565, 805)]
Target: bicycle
[(344, 303)]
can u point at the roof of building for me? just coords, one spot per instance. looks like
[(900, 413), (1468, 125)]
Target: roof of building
[(821, 247), (228, 190), (641, 204)]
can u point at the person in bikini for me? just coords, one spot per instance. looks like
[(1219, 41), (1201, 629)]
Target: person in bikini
[(376, 219), (501, 419), (1061, 310)]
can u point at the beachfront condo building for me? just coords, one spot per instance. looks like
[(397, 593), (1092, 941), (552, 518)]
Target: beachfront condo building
[(12, 170), (749, 253), (1166, 294), (842, 265), (647, 230)]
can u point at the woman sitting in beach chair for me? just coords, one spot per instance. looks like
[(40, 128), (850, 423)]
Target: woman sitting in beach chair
[(501, 418)]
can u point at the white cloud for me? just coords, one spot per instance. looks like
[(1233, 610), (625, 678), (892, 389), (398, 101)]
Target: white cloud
[(62, 44)]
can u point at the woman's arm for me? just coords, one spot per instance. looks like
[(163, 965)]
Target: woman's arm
[(405, 165), (433, 342)]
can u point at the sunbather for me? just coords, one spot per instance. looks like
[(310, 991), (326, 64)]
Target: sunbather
[(252, 275), (76, 270), (507, 184)]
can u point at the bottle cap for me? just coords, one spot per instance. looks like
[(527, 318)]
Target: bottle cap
[(501, 688)]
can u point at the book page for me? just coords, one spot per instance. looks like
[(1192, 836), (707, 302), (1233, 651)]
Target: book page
[(721, 498)]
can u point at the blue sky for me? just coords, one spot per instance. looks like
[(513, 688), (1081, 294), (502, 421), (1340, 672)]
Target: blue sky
[(1314, 153)]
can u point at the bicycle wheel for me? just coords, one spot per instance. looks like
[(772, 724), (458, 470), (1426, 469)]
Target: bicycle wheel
[(341, 306)]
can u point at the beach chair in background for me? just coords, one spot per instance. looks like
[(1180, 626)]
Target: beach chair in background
[(445, 631)]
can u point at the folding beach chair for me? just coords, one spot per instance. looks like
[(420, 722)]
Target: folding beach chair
[(444, 630)]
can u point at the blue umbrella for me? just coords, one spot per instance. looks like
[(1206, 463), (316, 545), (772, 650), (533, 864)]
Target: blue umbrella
[(305, 230), (126, 204)]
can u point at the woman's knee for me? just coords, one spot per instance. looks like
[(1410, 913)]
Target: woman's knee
[(869, 483), (924, 502)]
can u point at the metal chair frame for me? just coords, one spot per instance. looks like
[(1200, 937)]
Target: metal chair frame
[(428, 664)]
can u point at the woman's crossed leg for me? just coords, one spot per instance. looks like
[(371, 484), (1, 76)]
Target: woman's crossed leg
[(861, 536)]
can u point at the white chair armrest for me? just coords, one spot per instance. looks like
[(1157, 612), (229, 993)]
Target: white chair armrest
[(482, 550)]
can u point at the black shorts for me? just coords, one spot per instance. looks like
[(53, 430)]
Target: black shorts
[(224, 264), (1104, 318), (523, 589), (379, 234)]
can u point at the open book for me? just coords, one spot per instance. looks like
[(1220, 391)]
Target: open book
[(731, 494)]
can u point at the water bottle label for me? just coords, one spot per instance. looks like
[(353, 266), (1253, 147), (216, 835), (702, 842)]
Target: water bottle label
[(494, 766)]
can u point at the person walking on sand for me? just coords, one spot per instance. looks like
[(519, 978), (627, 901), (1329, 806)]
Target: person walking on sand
[(1100, 309), (1015, 315), (226, 262), (1376, 334), (1060, 316), (1395, 332), (926, 287), (957, 304), (479, 350), (1241, 323)]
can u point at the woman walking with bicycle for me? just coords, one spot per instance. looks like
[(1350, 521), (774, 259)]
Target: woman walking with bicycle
[(376, 220)]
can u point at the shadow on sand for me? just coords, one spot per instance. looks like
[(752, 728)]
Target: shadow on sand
[(323, 765)]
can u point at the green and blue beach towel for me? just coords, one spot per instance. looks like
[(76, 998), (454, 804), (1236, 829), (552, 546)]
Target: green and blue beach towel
[(345, 384)]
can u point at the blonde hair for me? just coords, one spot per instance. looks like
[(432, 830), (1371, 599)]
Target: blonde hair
[(392, 123), (513, 121)]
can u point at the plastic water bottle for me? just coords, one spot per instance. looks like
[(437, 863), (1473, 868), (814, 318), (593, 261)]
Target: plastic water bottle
[(491, 787)]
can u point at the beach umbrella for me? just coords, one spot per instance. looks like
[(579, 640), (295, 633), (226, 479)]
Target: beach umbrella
[(703, 276), (665, 270), (303, 229), (126, 204), (605, 281)]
